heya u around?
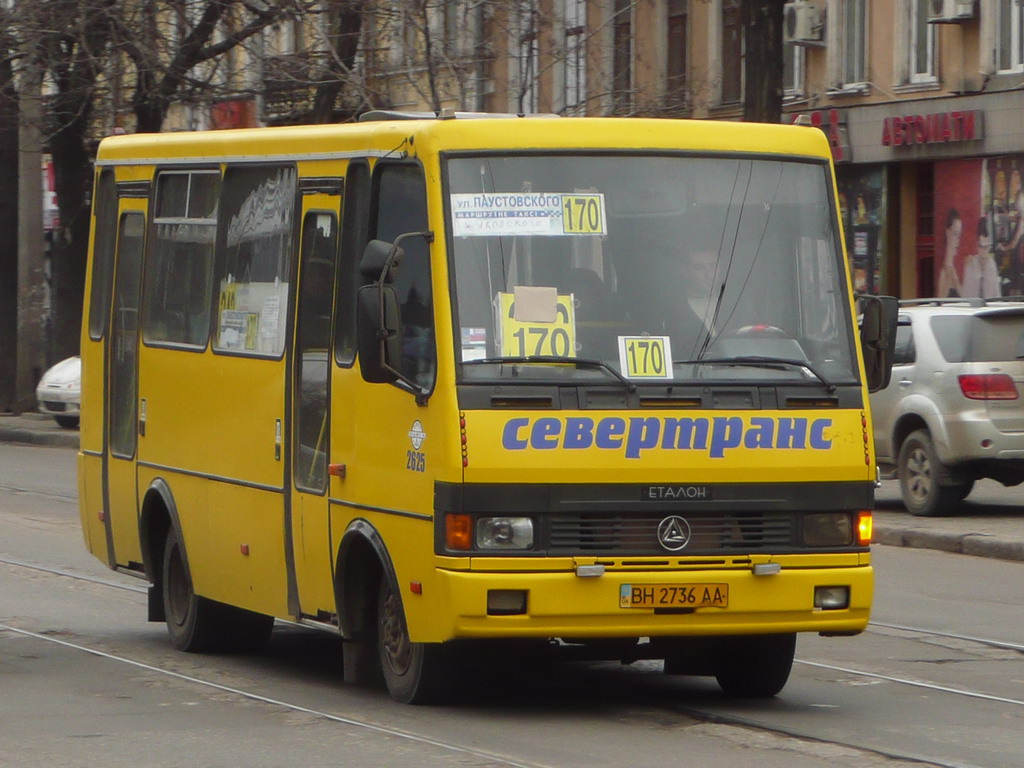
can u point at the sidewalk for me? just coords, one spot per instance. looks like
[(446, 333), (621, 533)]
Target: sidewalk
[(36, 429), (985, 530)]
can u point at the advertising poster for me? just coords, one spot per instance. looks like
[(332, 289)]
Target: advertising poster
[(862, 208), (979, 227)]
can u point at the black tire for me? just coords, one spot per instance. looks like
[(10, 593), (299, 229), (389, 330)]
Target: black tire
[(920, 471), (415, 673), (197, 624), (755, 666), (68, 422)]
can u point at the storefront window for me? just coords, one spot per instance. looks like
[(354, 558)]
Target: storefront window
[(863, 202)]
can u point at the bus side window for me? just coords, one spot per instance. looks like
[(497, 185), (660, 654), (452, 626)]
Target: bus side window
[(105, 228), (177, 293), (401, 206), (354, 234), (254, 259)]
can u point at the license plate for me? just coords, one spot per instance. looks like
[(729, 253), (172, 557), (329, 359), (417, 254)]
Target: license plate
[(674, 596)]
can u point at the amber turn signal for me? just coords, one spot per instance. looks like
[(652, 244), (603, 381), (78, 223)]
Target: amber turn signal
[(865, 528), (458, 531)]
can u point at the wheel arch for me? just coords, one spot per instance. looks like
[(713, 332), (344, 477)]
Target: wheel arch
[(907, 423), (159, 514), (363, 561)]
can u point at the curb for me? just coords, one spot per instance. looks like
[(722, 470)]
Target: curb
[(32, 437), (977, 544)]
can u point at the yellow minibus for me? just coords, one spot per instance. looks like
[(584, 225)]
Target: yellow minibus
[(452, 385)]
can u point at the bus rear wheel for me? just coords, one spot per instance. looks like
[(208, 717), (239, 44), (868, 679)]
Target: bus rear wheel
[(755, 666), (415, 673), (197, 624)]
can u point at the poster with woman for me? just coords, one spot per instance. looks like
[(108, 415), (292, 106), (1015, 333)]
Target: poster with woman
[(958, 207), (1003, 198), (979, 206)]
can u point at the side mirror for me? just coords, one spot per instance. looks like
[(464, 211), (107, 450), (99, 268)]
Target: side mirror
[(380, 261), (878, 338), (378, 333), (378, 313)]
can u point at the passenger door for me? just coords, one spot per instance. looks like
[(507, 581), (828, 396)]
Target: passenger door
[(311, 396), (121, 385)]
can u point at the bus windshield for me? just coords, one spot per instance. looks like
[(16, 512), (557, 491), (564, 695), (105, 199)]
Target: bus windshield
[(647, 267)]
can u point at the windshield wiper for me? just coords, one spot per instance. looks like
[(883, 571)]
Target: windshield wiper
[(761, 361), (579, 362)]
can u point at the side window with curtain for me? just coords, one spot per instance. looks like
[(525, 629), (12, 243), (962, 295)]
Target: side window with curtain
[(254, 259), (177, 291), (401, 207), (104, 238), (354, 234)]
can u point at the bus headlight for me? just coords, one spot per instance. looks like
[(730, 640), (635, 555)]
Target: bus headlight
[(832, 598), (504, 533), (827, 529)]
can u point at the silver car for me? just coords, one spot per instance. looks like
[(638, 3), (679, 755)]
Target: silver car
[(953, 412), (59, 392)]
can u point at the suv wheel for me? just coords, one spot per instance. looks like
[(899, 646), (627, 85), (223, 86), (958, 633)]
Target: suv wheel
[(919, 471)]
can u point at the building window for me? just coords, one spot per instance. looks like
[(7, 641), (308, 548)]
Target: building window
[(854, 42), (922, 46), (792, 70), (575, 56), (622, 57), (525, 64), (732, 52), (453, 16), (1009, 43), (675, 74)]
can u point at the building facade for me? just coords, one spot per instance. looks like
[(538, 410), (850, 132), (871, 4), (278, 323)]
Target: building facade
[(921, 100)]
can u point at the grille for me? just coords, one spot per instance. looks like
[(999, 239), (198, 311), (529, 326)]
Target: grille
[(638, 534), (55, 406)]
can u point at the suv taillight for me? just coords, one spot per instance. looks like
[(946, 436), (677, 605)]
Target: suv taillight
[(987, 386)]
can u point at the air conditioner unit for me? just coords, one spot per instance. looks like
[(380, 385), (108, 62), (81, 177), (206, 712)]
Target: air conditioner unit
[(801, 23), (950, 11)]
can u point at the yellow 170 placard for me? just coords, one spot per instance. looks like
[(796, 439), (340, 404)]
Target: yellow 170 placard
[(529, 338), (645, 357)]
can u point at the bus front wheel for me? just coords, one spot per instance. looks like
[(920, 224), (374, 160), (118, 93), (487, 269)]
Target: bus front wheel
[(415, 673), (197, 624), (755, 666)]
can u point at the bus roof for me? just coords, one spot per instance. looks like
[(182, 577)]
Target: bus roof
[(400, 137)]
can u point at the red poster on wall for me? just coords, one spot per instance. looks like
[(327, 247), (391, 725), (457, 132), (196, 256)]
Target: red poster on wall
[(979, 217)]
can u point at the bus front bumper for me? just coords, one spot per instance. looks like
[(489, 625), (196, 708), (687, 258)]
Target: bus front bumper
[(531, 604)]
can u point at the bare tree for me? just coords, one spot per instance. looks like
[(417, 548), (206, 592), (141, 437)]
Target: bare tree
[(70, 39), (344, 24), (174, 48), (8, 217)]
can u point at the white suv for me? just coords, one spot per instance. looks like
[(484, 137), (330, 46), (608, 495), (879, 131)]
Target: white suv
[(953, 411)]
